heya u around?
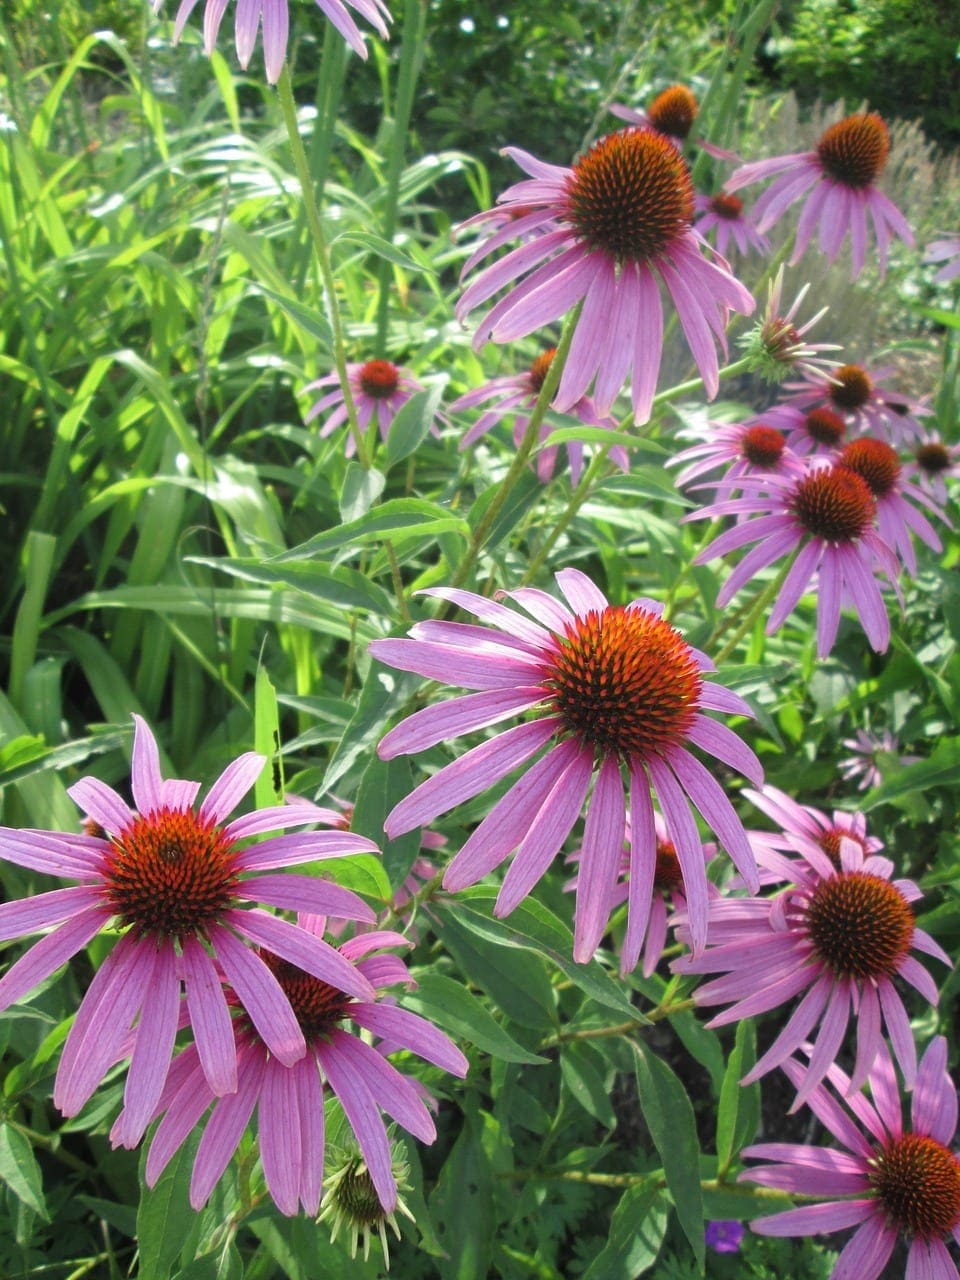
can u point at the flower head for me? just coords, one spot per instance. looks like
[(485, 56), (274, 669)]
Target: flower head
[(776, 346), (520, 392), (289, 1099), (869, 752), (826, 516), (351, 1204), (858, 395), (671, 112), (725, 216), (276, 22), (621, 225), (897, 515), (754, 449), (888, 1182), (838, 178), (610, 687), (933, 461), (179, 882), (837, 936), (724, 1236), (380, 389)]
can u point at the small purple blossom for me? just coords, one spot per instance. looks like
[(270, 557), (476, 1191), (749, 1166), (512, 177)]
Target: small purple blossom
[(725, 216), (380, 389), (948, 251), (867, 750), (724, 1236)]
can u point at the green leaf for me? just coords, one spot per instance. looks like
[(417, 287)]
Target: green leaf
[(360, 491), (412, 423), (384, 784), (533, 928), (462, 1205), (361, 872), (637, 1228), (454, 1008), (582, 1070), (399, 519), (382, 248), (163, 1213), (20, 1171), (669, 1116), (268, 789), (227, 1264), (516, 981), (343, 586), (739, 1110), (942, 768), (308, 319)]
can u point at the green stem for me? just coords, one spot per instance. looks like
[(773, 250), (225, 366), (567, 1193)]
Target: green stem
[(770, 592), (694, 384), (289, 108), (405, 615), (527, 446), (333, 65), (577, 499), (411, 56)]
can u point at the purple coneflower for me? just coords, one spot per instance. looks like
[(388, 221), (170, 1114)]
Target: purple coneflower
[(897, 519), (178, 881), (838, 177), (888, 1183), (837, 937), (857, 394), (671, 112), (647, 927), (622, 225), (867, 749), (804, 829), (520, 391), (290, 1098), (932, 462), (826, 516), (276, 24), (777, 346), (610, 686), (380, 389), (753, 449), (724, 215), (948, 251), (820, 430)]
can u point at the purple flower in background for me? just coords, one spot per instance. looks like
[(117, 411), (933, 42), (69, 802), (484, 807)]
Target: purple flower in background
[(751, 448), (888, 1182), (290, 1098), (948, 251), (836, 937), (609, 687), (724, 215), (380, 389), (725, 1236), (620, 226), (859, 396), (803, 830), (180, 882), (777, 346), (647, 927), (671, 112), (826, 516), (897, 519), (520, 391), (838, 179), (932, 462), (276, 22), (864, 763)]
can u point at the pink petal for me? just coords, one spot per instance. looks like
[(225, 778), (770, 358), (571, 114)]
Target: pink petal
[(260, 994), (278, 1128), (347, 1082), (414, 1033), (145, 778), (225, 1127), (600, 859), (210, 1018), (47, 955), (232, 785)]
